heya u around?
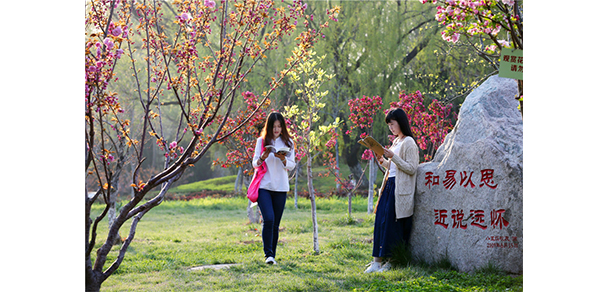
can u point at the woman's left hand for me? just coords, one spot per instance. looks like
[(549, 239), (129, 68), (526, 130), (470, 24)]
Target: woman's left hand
[(282, 157), (388, 153)]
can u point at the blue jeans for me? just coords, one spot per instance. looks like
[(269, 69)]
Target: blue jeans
[(271, 205)]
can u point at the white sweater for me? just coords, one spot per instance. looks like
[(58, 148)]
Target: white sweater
[(406, 160), (276, 177)]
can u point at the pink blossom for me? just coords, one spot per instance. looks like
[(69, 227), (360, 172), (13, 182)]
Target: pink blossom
[(184, 17), (504, 43), (119, 52), (209, 3), (367, 155), (173, 145), (109, 43), (491, 48), (117, 31), (508, 2), (450, 38)]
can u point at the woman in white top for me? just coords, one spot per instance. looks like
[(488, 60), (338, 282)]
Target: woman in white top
[(395, 204), (274, 184)]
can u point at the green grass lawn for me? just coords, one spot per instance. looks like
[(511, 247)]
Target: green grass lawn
[(323, 184), (178, 235)]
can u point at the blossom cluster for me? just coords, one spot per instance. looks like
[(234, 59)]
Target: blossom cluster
[(241, 144), (103, 41), (477, 18), (429, 124), (362, 111)]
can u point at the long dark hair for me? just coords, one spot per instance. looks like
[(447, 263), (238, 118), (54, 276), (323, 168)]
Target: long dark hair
[(267, 132), (399, 115)]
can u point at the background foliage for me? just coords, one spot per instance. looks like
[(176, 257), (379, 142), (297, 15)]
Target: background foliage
[(377, 48)]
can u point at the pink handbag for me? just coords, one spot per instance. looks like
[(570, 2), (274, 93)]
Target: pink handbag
[(256, 180)]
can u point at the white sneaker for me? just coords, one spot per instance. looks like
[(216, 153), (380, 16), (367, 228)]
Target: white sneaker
[(386, 267), (373, 267), (270, 261)]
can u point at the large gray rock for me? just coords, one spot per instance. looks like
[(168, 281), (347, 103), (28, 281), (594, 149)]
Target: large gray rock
[(476, 218)]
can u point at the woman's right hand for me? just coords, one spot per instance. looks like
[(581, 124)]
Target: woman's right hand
[(265, 154), (379, 158)]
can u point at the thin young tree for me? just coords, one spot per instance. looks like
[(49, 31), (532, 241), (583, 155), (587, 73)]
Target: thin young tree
[(309, 78)]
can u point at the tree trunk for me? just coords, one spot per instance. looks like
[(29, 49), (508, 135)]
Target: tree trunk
[(372, 177), (312, 195), (296, 184), (356, 171), (337, 185), (92, 285), (93, 279), (520, 85), (350, 153), (237, 186), (349, 203), (253, 213), (112, 215)]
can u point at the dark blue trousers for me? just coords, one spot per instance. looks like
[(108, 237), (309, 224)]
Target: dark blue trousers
[(388, 230), (271, 205)]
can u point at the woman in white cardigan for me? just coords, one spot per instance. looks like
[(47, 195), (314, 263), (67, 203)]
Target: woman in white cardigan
[(395, 204)]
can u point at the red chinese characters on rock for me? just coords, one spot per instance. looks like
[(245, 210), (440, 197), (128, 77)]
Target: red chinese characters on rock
[(449, 181), (497, 220), (458, 217), (431, 179), (466, 179), (487, 178), (476, 219), (439, 218)]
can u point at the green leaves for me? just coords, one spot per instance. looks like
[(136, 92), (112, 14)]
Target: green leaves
[(309, 78)]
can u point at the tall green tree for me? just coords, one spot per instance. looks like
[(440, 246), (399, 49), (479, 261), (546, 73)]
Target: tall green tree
[(369, 52)]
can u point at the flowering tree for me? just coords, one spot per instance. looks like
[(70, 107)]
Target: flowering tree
[(195, 61), (429, 124), (240, 146), (362, 111), (309, 79), (487, 25)]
